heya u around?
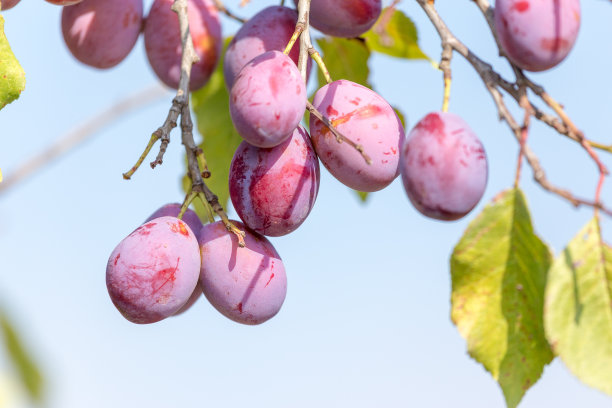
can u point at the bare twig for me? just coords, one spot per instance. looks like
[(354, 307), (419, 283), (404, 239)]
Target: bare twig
[(494, 82), (221, 7), (82, 133), (180, 108)]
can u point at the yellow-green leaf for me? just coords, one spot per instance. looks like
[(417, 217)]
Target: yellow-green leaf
[(220, 139), (345, 59), (578, 308), (498, 280), (395, 34), (12, 76), (28, 371)]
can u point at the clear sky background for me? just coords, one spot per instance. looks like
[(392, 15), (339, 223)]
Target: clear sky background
[(366, 319)]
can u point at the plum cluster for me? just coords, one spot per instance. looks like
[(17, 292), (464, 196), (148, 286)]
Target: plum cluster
[(102, 33), (164, 266)]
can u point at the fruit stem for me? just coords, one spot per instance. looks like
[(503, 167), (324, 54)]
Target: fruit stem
[(299, 28), (154, 138), (340, 138), (317, 57), (188, 199), (208, 198)]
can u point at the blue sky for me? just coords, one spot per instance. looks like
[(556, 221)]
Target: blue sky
[(366, 320)]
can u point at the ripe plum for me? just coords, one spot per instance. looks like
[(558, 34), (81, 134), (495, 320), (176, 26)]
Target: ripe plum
[(537, 34), (101, 33), (444, 167), (247, 285), (153, 272), (367, 119), (273, 190), (268, 99)]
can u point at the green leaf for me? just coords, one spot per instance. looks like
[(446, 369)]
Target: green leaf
[(220, 139), (498, 272), (395, 34), (12, 76), (578, 308), (29, 373), (345, 59)]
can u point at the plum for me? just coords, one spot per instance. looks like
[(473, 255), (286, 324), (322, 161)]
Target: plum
[(8, 4), (273, 190), (537, 34), (163, 41), (101, 33), (367, 119), (247, 285), (444, 167), (268, 99), (269, 30), (153, 272), (344, 18)]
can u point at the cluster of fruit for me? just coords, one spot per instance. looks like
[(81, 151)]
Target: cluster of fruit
[(101, 34), (274, 175), (154, 272)]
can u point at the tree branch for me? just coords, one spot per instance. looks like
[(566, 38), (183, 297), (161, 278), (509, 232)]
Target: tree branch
[(494, 83), (81, 134)]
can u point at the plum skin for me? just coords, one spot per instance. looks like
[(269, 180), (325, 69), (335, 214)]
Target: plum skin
[(190, 217), (268, 30), (344, 18), (101, 33), (268, 99), (153, 272), (537, 35), (247, 285), (8, 4), (163, 42), (195, 224), (444, 167), (273, 190), (365, 118)]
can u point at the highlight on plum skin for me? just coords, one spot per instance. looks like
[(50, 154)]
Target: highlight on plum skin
[(268, 99), (153, 272), (273, 190), (101, 33), (365, 118), (344, 18), (8, 4), (268, 30), (444, 167), (163, 41), (537, 34), (247, 285)]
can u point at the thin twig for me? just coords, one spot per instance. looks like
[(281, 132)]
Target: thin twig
[(180, 108), (82, 133), (339, 136), (221, 7)]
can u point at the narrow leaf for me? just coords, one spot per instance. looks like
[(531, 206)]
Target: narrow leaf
[(578, 308), (498, 272), (211, 108), (396, 35), (12, 76), (29, 373)]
